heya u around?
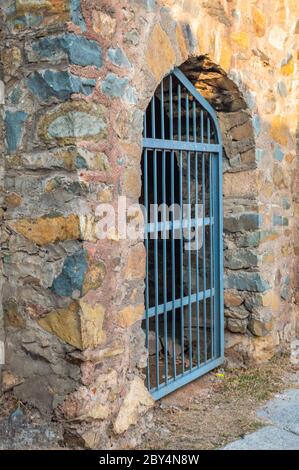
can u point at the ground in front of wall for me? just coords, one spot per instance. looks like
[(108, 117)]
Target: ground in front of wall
[(219, 407), (206, 414)]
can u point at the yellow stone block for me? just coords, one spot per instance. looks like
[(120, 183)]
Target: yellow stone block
[(225, 55), (241, 38), (132, 182), (64, 323), (130, 315), (94, 276), (135, 266), (232, 299), (281, 10), (46, 230), (268, 258), (135, 404), (160, 56), (103, 23), (79, 324), (279, 130), (288, 68), (92, 318), (272, 299), (296, 209), (289, 158), (53, 6), (259, 21)]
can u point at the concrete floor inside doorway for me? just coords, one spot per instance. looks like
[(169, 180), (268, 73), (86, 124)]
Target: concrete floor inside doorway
[(220, 407)]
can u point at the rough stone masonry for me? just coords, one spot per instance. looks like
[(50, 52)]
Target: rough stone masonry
[(75, 80)]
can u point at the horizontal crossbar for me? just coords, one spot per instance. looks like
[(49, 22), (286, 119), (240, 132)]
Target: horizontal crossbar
[(178, 224), (159, 144), (178, 303), (183, 379)]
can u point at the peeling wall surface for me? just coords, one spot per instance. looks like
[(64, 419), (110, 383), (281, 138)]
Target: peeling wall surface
[(75, 80)]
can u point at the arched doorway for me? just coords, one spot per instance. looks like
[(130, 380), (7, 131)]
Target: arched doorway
[(182, 195)]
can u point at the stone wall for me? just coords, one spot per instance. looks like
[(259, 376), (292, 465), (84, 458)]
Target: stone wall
[(78, 76)]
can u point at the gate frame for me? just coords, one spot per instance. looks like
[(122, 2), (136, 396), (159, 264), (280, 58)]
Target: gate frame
[(186, 377)]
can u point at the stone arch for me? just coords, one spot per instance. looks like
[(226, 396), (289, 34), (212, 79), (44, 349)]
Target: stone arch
[(241, 212)]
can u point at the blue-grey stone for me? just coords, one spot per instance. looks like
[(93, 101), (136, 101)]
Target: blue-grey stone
[(240, 259), (59, 84), (82, 51), (248, 281), (282, 88), (250, 99), (243, 222), (118, 87), (80, 163), (72, 275), (29, 20), (49, 47), (78, 49), (15, 96), (256, 125), (280, 220), (150, 5), (76, 124), (253, 239), (285, 292), (188, 33), (132, 37), (286, 203), (278, 153), (17, 418), (259, 154), (118, 57), (76, 13), (14, 122), (253, 301)]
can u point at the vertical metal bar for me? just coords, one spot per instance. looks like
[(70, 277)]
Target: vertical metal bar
[(189, 235), (179, 112), (162, 111), (219, 268), (187, 116), (182, 320), (144, 125), (196, 254), (156, 266), (170, 108), (189, 263), (196, 235), (182, 264), (153, 116), (165, 267), (194, 121), (201, 126), (217, 259), (173, 274), (204, 255), (212, 189), (218, 255), (145, 182)]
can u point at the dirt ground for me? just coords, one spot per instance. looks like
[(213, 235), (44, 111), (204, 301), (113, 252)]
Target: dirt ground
[(206, 414), (217, 408)]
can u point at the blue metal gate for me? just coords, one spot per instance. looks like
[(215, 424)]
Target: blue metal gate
[(182, 195)]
